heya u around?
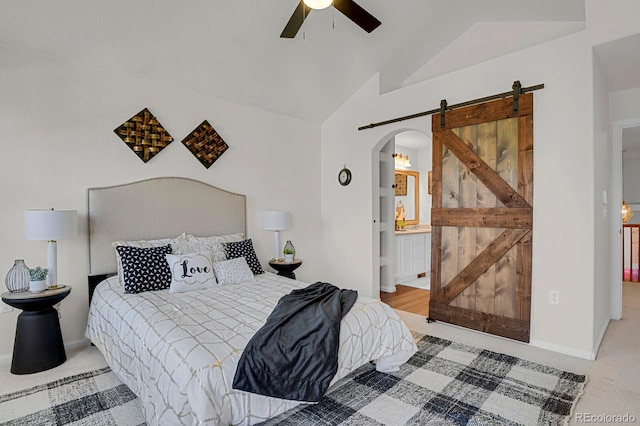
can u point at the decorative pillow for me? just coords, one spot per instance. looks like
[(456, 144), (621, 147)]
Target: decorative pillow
[(178, 246), (193, 271), (212, 244), (145, 269), (244, 249), (233, 271)]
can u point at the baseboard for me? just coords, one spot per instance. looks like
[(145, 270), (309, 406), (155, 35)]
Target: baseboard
[(591, 356), (388, 289), (598, 342), (423, 283)]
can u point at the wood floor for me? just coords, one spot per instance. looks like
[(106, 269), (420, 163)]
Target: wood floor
[(408, 299)]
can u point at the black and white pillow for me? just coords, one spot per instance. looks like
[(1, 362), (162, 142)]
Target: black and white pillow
[(179, 245), (192, 271), (244, 249), (233, 271), (145, 269), (212, 244)]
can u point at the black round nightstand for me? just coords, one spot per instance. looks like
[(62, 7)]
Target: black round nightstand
[(38, 343), (285, 269)]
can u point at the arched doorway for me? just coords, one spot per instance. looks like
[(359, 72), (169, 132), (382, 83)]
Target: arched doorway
[(416, 146)]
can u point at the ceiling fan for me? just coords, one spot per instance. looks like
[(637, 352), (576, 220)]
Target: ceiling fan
[(349, 8)]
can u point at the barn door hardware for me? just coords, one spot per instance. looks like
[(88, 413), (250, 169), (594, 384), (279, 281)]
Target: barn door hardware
[(443, 109), (516, 91)]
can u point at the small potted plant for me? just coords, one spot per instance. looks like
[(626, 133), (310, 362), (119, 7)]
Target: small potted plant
[(289, 252), (37, 279)]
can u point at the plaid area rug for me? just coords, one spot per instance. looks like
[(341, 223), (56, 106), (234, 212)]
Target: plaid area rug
[(447, 383), (94, 398), (444, 383)]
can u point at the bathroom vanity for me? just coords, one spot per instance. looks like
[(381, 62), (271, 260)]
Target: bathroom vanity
[(413, 256)]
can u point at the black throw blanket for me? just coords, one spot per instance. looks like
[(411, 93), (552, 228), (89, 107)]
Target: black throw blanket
[(295, 354)]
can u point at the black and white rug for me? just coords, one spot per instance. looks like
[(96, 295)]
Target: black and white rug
[(444, 383), (447, 383), (94, 398)]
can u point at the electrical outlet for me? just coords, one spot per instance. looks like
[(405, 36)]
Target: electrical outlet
[(554, 297), (4, 308)]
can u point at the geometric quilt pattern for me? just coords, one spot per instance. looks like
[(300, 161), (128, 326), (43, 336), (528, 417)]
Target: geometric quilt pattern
[(179, 352)]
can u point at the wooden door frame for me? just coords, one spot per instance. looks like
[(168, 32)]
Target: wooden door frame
[(516, 218)]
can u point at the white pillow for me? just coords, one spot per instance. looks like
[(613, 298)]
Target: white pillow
[(178, 246), (233, 271), (193, 271), (212, 244)]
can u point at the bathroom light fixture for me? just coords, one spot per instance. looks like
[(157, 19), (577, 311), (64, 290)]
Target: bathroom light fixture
[(318, 4), (401, 161), (276, 221), (50, 225)]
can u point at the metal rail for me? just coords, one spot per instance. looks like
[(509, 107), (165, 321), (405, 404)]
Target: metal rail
[(517, 90)]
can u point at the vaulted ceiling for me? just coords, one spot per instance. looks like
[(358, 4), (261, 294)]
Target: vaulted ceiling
[(231, 49)]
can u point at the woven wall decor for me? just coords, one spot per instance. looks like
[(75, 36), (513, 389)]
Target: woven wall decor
[(205, 143), (144, 134), (401, 184)]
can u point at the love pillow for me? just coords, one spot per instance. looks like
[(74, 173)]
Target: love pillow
[(193, 271)]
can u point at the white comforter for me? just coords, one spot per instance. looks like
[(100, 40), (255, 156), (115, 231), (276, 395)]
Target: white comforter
[(179, 352)]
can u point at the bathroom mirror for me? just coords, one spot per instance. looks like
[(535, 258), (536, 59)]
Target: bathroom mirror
[(407, 189)]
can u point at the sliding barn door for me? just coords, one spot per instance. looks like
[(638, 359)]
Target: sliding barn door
[(482, 217)]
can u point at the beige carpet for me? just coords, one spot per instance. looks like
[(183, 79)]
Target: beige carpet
[(614, 377), (79, 360)]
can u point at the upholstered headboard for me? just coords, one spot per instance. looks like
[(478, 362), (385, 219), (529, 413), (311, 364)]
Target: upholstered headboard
[(157, 208)]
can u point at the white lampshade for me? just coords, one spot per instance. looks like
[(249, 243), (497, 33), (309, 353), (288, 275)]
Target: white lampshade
[(318, 4), (50, 224), (276, 220)]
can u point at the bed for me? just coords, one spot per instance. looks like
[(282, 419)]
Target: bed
[(178, 352)]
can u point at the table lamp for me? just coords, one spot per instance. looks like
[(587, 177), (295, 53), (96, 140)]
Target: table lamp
[(50, 225), (276, 221)]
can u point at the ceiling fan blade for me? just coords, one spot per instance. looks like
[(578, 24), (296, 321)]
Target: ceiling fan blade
[(296, 21), (357, 14)]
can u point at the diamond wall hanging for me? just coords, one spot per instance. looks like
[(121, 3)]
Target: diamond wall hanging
[(205, 143), (144, 134)]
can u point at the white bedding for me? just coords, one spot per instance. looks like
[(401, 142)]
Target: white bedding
[(178, 352)]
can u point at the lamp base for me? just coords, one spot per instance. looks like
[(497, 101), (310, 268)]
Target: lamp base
[(52, 265), (276, 244)]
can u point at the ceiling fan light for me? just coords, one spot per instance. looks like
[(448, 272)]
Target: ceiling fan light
[(318, 4)]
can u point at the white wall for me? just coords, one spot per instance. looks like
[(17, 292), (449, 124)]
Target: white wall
[(631, 178), (57, 140), (607, 21), (568, 180), (625, 104), (602, 211)]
